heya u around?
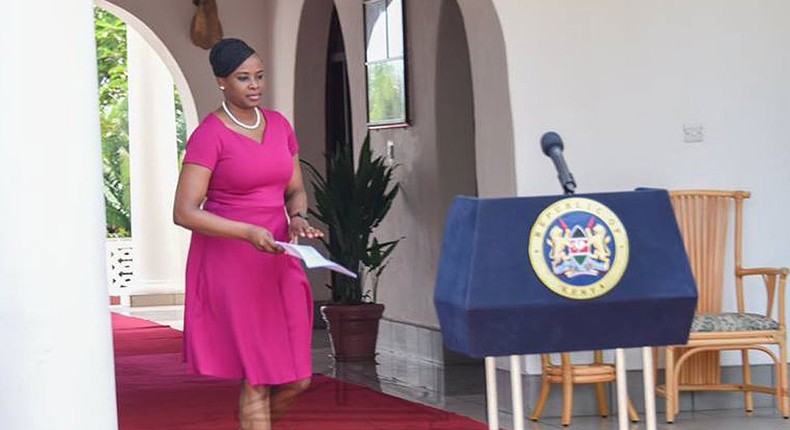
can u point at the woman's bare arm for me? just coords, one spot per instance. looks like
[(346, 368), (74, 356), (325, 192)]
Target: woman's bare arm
[(295, 195), (296, 203)]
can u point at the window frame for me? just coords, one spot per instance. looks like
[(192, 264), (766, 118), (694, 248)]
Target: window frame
[(404, 120)]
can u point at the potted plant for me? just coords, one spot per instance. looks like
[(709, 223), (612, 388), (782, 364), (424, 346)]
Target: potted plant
[(352, 203)]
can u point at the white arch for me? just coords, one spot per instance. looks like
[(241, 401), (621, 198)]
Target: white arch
[(187, 98)]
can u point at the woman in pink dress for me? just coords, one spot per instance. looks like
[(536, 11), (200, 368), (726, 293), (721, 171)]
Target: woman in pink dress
[(248, 312)]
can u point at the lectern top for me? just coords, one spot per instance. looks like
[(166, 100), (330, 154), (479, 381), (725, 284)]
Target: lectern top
[(543, 274)]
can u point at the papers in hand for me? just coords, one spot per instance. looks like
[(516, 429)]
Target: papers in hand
[(313, 258)]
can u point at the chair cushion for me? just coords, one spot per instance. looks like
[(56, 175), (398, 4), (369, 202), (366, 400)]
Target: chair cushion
[(732, 322)]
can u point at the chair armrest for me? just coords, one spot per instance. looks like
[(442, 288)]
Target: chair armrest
[(775, 279), (780, 271)]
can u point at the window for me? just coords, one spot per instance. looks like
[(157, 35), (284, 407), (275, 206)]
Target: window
[(385, 63)]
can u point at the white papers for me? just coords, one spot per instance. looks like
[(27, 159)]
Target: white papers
[(313, 258)]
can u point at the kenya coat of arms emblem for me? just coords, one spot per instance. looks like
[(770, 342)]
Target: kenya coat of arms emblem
[(578, 248)]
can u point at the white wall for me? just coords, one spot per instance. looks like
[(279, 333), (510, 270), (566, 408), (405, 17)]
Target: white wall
[(277, 29), (619, 78)]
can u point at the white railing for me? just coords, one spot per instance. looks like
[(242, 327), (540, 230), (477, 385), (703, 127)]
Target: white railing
[(120, 266)]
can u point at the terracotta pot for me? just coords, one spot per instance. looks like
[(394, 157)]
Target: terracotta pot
[(353, 330)]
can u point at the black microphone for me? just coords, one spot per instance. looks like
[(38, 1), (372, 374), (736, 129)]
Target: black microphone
[(552, 146)]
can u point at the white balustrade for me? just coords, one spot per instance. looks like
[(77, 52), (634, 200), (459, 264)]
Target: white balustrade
[(120, 267)]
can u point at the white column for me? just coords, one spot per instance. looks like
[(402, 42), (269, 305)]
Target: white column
[(650, 387), (517, 393), (622, 390), (157, 242), (56, 362), (492, 402)]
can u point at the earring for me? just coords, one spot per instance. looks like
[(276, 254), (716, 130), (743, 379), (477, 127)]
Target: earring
[(222, 88)]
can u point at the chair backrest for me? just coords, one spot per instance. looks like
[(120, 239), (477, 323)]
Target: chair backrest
[(703, 217)]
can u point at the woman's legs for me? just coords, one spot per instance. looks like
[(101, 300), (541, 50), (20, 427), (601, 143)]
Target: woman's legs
[(254, 408), (284, 396), (261, 405)]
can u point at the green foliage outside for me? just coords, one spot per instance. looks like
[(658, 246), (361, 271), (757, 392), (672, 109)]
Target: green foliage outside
[(181, 126), (386, 100), (114, 120), (111, 55)]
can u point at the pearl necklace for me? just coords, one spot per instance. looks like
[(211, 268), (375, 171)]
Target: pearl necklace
[(241, 124)]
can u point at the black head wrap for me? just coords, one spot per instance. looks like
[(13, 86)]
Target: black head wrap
[(227, 55)]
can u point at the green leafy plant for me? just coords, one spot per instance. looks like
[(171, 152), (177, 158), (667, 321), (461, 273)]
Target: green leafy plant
[(352, 203), (113, 118)]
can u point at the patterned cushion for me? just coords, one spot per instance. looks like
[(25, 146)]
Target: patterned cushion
[(732, 322)]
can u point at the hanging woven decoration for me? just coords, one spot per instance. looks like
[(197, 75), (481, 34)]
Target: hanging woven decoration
[(206, 30)]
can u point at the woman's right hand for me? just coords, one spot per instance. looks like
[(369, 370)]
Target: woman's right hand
[(263, 240)]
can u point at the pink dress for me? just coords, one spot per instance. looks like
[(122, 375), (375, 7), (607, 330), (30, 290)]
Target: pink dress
[(248, 314)]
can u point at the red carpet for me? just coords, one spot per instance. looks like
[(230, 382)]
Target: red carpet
[(156, 392)]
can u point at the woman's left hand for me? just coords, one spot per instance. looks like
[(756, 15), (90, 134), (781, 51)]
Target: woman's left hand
[(299, 227)]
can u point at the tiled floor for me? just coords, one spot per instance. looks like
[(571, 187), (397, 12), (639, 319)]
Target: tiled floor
[(460, 388)]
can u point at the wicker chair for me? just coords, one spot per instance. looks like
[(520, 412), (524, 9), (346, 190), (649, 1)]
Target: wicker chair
[(567, 374), (703, 217)]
